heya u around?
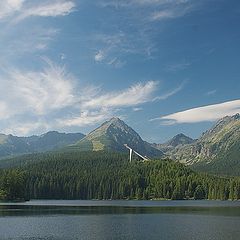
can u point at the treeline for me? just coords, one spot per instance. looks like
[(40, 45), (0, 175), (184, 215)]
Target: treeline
[(101, 175), (12, 185)]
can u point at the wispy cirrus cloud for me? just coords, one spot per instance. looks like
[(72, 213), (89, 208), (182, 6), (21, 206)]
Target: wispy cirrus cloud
[(170, 93), (100, 56), (24, 128), (54, 98), (29, 41), (171, 12), (175, 67), (137, 109), (136, 94), (47, 9), (202, 114), (19, 10), (19, 39), (86, 118), (103, 106), (137, 37), (113, 47), (127, 3), (37, 92), (211, 92), (9, 7)]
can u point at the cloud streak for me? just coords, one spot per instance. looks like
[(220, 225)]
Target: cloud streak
[(143, 16), (50, 9), (53, 98), (136, 94), (202, 114), (9, 7), (85, 118), (19, 10), (127, 3), (170, 93), (171, 12)]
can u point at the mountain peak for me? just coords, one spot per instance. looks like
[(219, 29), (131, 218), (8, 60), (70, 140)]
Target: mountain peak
[(49, 133), (236, 116), (112, 135), (219, 143), (116, 122), (179, 135), (227, 119), (221, 124), (115, 119), (179, 139)]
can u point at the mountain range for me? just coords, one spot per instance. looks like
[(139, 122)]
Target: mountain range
[(216, 151), (13, 145)]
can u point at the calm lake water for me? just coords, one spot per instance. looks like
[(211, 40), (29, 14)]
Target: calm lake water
[(73, 220)]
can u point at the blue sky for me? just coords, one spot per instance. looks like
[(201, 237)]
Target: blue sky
[(163, 66)]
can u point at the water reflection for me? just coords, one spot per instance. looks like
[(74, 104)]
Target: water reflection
[(28, 210), (197, 221)]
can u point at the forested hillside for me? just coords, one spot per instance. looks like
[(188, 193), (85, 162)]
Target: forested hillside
[(12, 185), (102, 175)]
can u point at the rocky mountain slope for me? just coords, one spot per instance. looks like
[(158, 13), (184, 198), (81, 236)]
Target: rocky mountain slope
[(111, 136), (216, 151)]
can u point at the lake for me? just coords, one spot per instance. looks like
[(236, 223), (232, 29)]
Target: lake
[(73, 220)]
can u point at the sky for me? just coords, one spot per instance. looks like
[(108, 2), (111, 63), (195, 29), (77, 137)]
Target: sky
[(163, 66)]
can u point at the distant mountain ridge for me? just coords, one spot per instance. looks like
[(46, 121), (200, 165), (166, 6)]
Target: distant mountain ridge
[(13, 145), (216, 151), (177, 141), (111, 136)]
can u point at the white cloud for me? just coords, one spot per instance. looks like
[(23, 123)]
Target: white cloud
[(27, 41), (49, 9), (86, 118), (137, 109), (98, 107), (116, 63), (45, 95), (138, 38), (170, 13), (9, 7), (37, 92), (25, 128), (156, 10), (139, 93), (202, 114), (127, 3), (99, 57), (63, 56), (112, 48), (51, 99), (177, 66), (170, 93), (21, 9), (17, 40), (212, 92)]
